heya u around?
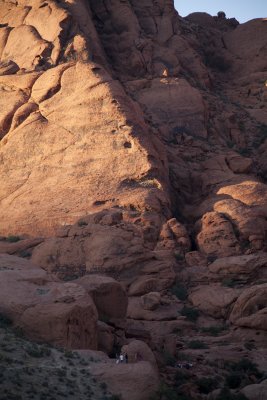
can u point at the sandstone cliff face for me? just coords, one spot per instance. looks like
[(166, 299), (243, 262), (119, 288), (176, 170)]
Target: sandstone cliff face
[(133, 142), (110, 105)]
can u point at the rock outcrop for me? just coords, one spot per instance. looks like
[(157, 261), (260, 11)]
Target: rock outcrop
[(51, 311), (133, 177)]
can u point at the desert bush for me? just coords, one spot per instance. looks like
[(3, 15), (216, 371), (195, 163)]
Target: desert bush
[(168, 359), (213, 330), (225, 394), (4, 321), (247, 366), (190, 313), (217, 61), (37, 351), (13, 239), (115, 397), (233, 381), (179, 291), (230, 282), (180, 377), (68, 354), (197, 344), (82, 223), (206, 385), (249, 345), (178, 256), (165, 392)]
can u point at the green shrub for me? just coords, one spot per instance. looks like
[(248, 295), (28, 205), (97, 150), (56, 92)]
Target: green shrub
[(115, 397), (241, 126), (249, 345), (213, 330), (244, 151), (217, 61), (13, 239), (225, 394), (168, 359), (190, 313), (4, 321), (182, 356), (234, 380), (178, 256), (244, 367), (103, 386), (197, 344), (206, 385), (180, 377), (229, 282), (68, 354), (82, 223), (180, 292), (37, 351), (165, 392)]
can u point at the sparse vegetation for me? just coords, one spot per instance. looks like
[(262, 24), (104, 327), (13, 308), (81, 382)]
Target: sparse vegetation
[(4, 321), (230, 282), (206, 385), (169, 393), (217, 61), (262, 135), (197, 344), (178, 256), (226, 394), (168, 359), (82, 223), (190, 313), (38, 371), (244, 152), (246, 366), (13, 239), (213, 330), (240, 373), (179, 291)]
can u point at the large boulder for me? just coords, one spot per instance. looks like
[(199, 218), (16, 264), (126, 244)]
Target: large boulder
[(250, 309), (240, 267), (214, 300), (163, 312), (20, 247), (109, 296), (139, 351), (256, 391), (58, 313), (217, 236), (109, 242)]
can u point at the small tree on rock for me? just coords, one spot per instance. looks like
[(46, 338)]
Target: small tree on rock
[(221, 14)]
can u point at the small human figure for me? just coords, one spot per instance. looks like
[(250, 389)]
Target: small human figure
[(126, 358), (121, 358), (117, 359)]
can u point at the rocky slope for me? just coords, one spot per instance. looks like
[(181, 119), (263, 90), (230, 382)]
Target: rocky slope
[(133, 164)]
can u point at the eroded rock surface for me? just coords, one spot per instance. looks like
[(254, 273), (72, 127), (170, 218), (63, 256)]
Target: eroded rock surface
[(133, 142)]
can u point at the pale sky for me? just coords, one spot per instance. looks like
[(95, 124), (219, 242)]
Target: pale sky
[(242, 10)]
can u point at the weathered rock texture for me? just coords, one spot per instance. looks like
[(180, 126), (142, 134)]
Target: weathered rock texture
[(51, 311), (133, 145)]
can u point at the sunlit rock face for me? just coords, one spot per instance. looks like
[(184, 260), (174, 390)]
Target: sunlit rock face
[(116, 105), (133, 146)]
